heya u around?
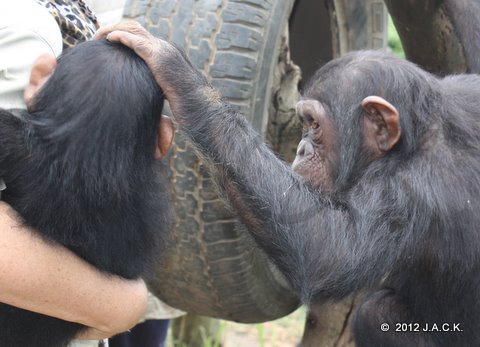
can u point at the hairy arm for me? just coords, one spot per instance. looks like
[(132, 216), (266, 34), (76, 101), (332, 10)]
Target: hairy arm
[(315, 243)]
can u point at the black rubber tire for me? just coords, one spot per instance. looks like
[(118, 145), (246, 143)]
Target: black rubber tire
[(323, 30), (213, 267)]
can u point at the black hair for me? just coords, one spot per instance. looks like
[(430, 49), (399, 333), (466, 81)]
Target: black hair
[(80, 170)]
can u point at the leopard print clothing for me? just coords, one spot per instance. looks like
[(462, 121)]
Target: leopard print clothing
[(76, 21)]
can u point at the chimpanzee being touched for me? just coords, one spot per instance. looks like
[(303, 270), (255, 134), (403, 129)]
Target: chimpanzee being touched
[(80, 169), (389, 198)]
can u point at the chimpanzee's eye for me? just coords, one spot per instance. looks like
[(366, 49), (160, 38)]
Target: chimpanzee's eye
[(305, 125), (315, 125)]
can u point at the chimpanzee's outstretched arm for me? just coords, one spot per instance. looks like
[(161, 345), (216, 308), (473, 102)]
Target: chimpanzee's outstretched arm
[(318, 246)]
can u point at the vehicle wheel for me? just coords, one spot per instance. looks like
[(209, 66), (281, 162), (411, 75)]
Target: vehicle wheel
[(213, 267)]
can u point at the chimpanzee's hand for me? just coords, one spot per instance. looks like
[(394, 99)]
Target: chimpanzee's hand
[(176, 76), (155, 52)]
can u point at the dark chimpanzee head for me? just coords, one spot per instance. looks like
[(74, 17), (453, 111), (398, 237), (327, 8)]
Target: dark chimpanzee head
[(356, 110), (94, 130), (80, 169), (92, 84)]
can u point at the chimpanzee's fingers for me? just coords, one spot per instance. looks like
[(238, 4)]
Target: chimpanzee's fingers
[(157, 53), (136, 37), (102, 32), (130, 26), (143, 47)]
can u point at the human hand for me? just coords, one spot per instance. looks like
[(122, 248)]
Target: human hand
[(130, 310)]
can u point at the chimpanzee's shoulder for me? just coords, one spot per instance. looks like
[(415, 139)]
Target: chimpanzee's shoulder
[(463, 79)]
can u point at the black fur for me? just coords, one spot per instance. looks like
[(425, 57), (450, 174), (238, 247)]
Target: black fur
[(404, 227), (80, 169)]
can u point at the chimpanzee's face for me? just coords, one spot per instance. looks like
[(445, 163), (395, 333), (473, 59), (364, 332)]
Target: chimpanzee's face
[(316, 153)]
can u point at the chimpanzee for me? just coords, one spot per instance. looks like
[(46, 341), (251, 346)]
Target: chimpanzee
[(80, 169), (389, 198)]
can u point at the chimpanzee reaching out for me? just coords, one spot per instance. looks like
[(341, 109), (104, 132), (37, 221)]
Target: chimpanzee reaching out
[(390, 204), (80, 168)]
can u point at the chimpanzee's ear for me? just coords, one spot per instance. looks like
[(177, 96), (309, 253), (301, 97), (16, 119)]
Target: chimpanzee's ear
[(165, 135), (381, 124)]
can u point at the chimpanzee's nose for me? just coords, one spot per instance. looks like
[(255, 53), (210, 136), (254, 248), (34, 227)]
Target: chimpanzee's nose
[(305, 148)]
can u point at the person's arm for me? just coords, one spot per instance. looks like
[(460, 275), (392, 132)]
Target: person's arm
[(49, 279)]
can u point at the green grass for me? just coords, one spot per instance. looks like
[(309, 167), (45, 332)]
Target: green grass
[(394, 42)]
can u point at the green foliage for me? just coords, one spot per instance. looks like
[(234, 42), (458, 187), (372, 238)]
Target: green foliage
[(261, 335), (394, 42), (209, 341)]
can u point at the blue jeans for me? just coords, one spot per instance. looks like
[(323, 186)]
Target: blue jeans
[(151, 333)]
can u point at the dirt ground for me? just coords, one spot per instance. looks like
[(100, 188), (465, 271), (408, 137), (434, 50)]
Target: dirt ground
[(284, 332)]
